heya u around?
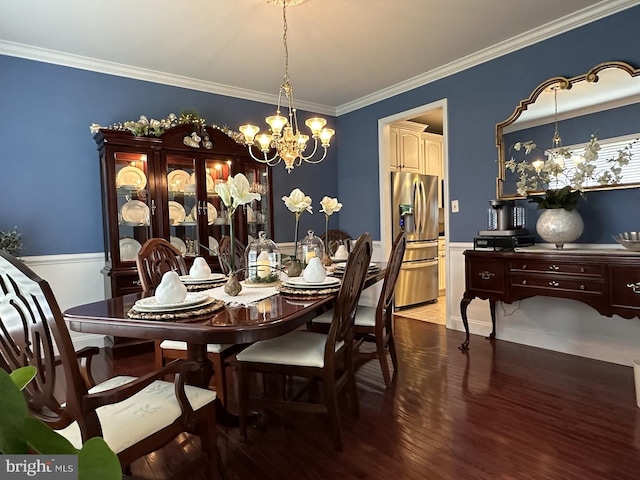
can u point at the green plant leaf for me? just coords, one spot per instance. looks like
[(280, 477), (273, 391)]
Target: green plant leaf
[(13, 413), (43, 439), (96, 461), (23, 375)]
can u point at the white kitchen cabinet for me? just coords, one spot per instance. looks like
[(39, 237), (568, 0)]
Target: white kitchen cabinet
[(405, 141), (433, 161)]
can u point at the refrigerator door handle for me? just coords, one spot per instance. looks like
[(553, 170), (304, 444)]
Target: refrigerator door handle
[(417, 207), (423, 209)]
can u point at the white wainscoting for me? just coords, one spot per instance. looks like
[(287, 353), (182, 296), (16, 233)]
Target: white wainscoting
[(75, 280), (557, 324)]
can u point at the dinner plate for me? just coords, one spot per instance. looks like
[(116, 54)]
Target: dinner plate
[(129, 248), (213, 246), (179, 244), (131, 177), (176, 212), (299, 282), (135, 211), (188, 223), (177, 180), (339, 260), (211, 185), (193, 299), (212, 213), (343, 265), (214, 277)]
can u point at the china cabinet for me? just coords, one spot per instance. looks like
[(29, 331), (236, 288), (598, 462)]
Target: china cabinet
[(164, 187)]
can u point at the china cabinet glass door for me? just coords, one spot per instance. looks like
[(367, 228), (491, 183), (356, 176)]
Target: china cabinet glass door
[(182, 201), (258, 212), (134, 204)]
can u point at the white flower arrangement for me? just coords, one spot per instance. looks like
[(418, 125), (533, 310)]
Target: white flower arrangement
[(563, 168), (298, 203), (235, 192), (329, 207)]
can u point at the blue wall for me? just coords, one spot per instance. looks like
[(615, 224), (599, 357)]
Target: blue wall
[(479, 98), (50, 176), (50, 170)]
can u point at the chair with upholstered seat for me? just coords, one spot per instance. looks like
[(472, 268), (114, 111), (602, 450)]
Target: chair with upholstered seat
[(156, 257), (376, 321), (135, 416), (317, 357)]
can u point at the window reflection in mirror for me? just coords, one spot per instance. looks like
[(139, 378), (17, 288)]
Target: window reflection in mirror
[(608, 107)]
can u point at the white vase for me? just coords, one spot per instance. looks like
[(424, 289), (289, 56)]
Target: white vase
[(559, 226)]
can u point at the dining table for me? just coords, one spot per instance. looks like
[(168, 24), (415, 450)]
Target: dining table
[(244, 319)]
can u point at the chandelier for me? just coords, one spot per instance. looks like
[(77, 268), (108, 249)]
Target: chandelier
[(285, 140)]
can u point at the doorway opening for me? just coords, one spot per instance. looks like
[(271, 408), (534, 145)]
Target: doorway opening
[(431, 120)]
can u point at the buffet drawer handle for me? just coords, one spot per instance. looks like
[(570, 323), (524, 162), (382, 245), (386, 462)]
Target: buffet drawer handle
[(635, 287), (554, 267), (137, 282), (553, 283), (486, 275), (524, 282)]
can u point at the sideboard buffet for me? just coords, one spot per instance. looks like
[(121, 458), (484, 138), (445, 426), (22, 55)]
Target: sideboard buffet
[(606, 280)]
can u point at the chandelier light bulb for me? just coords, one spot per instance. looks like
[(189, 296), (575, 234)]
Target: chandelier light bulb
[(315, 124), (264, 140), (277, 123), (249, 132), (325, 136)]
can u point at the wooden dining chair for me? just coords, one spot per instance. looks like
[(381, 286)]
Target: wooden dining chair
[(156, 257), (317, 357), (376, 322), (135, 416), (333, 239), (224, 255)]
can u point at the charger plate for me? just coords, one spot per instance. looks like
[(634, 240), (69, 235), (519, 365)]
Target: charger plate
[(191, 314), (303, 294)]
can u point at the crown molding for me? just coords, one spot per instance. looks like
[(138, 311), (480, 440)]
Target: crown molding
[(557, 27), (44, 55)]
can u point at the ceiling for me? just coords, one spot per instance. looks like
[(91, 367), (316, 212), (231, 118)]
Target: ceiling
[(342, 53)]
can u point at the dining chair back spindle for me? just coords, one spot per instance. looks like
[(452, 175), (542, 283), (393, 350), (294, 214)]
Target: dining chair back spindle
[(224, 255), (376, 322), (156, 257), (32, 329), (327, 358)]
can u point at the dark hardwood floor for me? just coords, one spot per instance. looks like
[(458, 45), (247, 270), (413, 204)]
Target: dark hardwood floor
[(505, 411)]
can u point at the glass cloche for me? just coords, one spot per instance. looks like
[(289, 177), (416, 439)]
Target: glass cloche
[(262, 260), (310, 246)]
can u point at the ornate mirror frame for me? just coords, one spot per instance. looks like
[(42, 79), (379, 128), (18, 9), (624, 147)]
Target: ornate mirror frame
[(528, 114)]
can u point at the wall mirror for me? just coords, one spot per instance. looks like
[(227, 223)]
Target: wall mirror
[(604, 101)]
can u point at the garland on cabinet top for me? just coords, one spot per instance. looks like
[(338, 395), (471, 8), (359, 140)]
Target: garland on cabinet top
[(145, 127)]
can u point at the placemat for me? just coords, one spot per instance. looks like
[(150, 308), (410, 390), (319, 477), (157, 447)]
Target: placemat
[(201, 287), (178, 315), (307, 293)]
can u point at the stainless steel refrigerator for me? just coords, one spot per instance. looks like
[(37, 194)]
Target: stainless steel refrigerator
[(415, 210)]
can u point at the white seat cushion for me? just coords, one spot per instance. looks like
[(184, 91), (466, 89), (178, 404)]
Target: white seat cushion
[(365, 317), (176, 345), (134, 419), (300, 348)]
